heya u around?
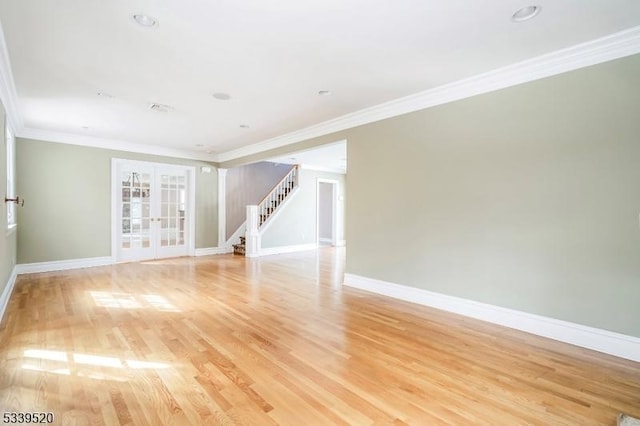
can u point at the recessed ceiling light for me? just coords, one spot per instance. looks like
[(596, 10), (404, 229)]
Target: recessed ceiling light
[(85, 127), (526, 13), (221, 96), (244, 126), (160, 108), (324, 92), (145, 20), (104, 95)]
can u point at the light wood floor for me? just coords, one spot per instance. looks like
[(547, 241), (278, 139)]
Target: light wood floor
[(278, 340)]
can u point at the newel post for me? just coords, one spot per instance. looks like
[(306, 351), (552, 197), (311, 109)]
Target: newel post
[(252, 243)]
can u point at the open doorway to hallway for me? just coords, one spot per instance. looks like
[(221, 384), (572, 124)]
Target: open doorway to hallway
[(327, 212)]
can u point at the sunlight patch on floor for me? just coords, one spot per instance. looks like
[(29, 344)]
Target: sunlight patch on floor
[(57, 362), (107, 299)]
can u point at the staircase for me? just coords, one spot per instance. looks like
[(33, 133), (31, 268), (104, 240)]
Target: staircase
[(241, 247), (268, 206)]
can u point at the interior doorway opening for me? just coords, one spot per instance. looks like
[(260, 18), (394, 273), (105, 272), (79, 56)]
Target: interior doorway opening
[(327, 214)]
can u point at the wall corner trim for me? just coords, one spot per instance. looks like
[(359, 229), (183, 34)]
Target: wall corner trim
[(213, 250), (604, 341), (61, 265), (6, 294)]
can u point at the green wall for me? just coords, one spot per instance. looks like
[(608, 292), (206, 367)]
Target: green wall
[(526, 198), (296, 224), (7, 240), (67, 188)]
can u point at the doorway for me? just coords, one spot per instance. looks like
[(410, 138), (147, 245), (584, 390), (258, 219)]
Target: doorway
[(327, 195), (153, 210)]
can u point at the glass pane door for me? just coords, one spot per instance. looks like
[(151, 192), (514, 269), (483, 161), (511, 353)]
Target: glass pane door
[(135, 212), (173, 194), (152, 210)]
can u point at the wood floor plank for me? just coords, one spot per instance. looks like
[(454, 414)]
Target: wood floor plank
[(278, 340)]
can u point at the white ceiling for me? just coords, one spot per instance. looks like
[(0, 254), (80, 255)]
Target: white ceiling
[(271, 57), (329, 157)]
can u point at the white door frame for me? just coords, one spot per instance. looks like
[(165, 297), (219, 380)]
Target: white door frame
[(334, 210), (191, 205)]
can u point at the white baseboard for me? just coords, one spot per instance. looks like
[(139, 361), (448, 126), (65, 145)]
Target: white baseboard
[(608, 342), (287, 249), (6, 294), (213, 250), (60, 265)]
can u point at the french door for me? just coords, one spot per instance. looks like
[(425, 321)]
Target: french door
[(153, 216)]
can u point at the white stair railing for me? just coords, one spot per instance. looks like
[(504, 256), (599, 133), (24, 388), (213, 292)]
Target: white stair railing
[(258, 215), (270, 203)]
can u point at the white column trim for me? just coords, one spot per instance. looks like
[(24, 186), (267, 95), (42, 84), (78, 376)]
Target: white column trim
[(253, 238), (191, 181), (222, 207)]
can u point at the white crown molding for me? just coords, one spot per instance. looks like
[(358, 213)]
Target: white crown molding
[(8, 88), (113, 144), (608, 342), (61, 265), (614, 46), (6, 294)]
